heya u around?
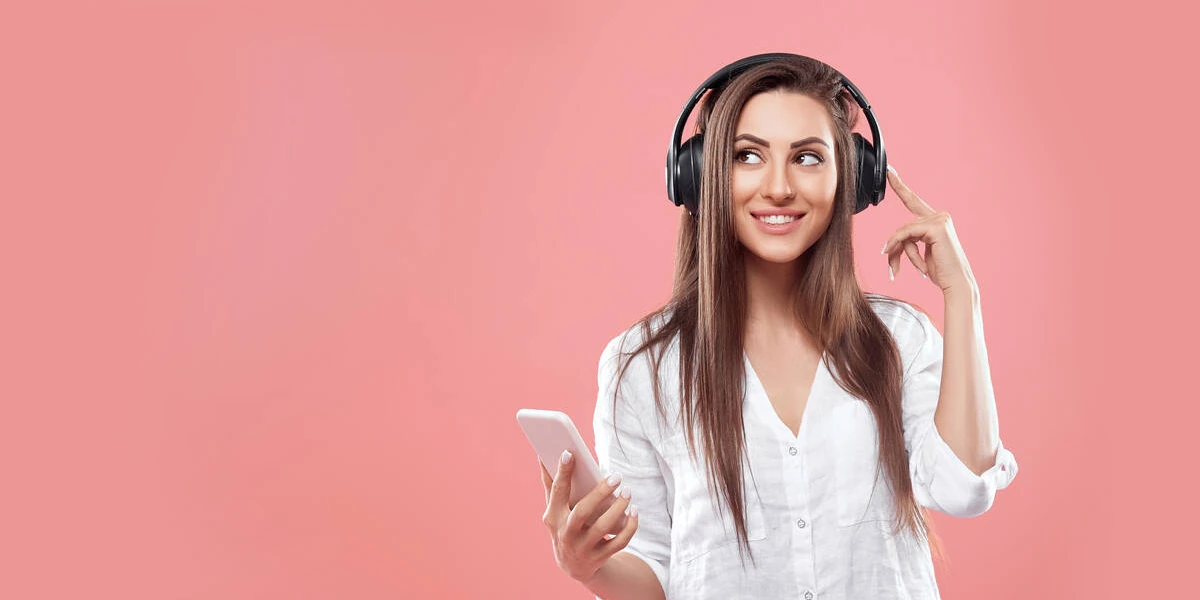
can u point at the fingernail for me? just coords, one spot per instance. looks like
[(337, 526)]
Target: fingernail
[(892, 169), (614, 479), (883, 249), (566, 457), (924, 275), (625, 493), (633, 510), (891, 273)]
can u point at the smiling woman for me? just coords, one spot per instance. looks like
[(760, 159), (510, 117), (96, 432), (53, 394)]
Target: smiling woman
[(772, 409)]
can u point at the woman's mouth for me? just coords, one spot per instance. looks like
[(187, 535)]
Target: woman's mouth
[(778, 224)]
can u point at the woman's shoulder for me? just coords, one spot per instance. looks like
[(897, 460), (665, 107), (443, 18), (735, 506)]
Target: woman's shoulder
[(633, 337), (626, 349), (909, 323)]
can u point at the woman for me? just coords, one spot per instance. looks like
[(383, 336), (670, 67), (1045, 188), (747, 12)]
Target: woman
[(815, 422)]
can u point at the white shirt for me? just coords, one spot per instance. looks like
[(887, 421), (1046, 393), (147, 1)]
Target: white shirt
[(816, 529)]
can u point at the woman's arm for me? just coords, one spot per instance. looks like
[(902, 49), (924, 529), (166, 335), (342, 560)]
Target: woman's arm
[(640, 569), (966, 411), (956, 458)]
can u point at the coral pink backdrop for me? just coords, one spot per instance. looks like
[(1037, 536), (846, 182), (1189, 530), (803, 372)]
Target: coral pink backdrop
[(277, 276)]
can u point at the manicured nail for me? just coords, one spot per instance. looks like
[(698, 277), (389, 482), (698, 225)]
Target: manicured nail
[(892, 169), (891, 273), (633, 510), (883, 250), (625, 493), (924, 275), (566, 457), (614, 479)]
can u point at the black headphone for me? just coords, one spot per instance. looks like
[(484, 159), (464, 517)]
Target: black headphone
[(684, 163)]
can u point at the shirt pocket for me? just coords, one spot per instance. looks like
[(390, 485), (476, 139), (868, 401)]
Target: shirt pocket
[(697, 527), (862, 494)]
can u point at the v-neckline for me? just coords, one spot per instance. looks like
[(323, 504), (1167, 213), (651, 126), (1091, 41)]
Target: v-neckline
[(764, 402)]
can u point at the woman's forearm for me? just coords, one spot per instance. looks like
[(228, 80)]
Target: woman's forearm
[(966, 412), (625, 577)]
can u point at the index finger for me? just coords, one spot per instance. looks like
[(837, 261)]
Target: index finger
[(911, 200), (560, 491)]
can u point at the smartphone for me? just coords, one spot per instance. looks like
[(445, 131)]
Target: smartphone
[(550, 432)]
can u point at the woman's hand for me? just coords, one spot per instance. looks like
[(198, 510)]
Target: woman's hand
[(944, 261), (581, 533)]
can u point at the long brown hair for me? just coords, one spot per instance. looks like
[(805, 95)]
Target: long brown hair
[(708, 304)]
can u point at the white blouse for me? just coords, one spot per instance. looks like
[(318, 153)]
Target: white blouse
[(819, 523)]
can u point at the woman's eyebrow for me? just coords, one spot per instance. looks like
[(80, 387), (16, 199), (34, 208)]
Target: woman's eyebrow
[(762, 142)]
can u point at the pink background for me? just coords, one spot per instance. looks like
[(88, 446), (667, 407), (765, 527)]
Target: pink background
[(277, 276)]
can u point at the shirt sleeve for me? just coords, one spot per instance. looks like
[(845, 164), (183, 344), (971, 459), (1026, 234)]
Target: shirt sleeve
[(629, 452), (941, 481)]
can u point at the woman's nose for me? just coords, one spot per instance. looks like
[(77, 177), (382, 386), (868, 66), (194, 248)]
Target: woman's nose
[(776, 183)]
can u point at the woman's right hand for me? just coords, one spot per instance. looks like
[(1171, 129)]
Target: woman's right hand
[(579, 533)]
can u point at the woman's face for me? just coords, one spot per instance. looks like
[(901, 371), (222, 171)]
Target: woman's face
[(783, 163)]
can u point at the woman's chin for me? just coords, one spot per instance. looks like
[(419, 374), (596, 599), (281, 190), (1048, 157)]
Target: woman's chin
[(777, 255)]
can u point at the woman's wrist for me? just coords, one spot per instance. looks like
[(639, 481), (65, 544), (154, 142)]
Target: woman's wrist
[(624, 577)]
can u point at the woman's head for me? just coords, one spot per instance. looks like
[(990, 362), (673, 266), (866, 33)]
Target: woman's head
[(784, 175), (750, 127)]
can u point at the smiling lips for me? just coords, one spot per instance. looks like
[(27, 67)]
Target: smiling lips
[(777, 216), (777, 222)]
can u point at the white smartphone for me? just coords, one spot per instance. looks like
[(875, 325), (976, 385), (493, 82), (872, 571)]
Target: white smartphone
[(550, 432)]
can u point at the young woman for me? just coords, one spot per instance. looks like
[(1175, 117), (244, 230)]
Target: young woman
[(773, 431)]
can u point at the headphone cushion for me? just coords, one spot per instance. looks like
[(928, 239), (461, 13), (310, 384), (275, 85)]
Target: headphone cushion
[(690, 165), (867, 184)]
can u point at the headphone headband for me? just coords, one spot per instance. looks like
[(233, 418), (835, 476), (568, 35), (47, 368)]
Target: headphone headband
[(872, 169)]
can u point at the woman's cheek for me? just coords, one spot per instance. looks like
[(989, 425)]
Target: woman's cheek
[(742, 191)]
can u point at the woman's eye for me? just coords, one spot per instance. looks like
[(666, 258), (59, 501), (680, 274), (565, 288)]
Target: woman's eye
[(812, 156), (739, 155)]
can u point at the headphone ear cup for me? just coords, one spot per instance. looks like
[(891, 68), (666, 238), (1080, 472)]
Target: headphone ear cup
[(690, 164), (868, 187)]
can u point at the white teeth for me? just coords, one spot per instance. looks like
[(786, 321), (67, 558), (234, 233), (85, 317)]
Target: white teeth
[(777, 219)]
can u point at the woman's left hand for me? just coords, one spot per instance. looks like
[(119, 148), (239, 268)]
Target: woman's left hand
[(944, 261)]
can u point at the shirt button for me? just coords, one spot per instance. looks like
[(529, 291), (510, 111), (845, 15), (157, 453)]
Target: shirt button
[(792, 450), (808, 596), (801, 524)]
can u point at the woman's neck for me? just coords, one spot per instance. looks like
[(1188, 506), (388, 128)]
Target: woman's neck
[(771, 298)]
